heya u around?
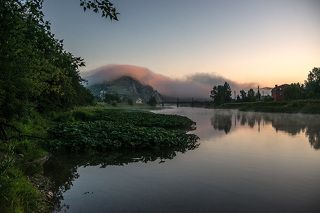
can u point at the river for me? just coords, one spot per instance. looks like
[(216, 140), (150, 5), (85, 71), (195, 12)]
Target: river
[(245, 162)]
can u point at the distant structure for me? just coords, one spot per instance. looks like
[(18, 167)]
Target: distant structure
[(265, 91), (277, 92), (139, 101), (102, 94)]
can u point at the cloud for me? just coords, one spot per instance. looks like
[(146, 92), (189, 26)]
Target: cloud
[(197, 85), (213, 79)]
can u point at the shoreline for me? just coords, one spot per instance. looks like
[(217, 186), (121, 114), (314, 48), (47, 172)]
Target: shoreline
[(98, 129), (292, 107)]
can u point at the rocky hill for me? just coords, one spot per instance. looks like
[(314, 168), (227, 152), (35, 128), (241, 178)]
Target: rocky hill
[(126, 88)]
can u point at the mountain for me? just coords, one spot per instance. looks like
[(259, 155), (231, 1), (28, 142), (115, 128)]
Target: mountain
[(127, 88), (197, 85)]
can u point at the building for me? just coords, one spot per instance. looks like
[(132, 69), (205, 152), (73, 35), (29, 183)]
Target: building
[(277, 92), (139, 101)]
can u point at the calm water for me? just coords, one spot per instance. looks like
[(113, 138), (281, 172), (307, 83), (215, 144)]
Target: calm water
[(245, 162)]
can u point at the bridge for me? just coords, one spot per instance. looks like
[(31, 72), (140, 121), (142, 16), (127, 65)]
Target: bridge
[(191, 103)]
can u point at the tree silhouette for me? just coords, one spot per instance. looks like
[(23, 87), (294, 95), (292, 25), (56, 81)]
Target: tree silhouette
[(221, 94), (105, 7), (243, 95), (251, 95), (313, 83)]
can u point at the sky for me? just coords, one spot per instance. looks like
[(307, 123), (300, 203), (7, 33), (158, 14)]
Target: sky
[(268, 42)]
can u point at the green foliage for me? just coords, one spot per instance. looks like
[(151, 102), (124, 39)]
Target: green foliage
[(105, 7), (137, 118), (17, 194), (36, 72), (152, 101), (251, 95), (294, 91), (104, 135), (313, 83), (221, 94), (111, 98), (295, 106), (243, 95), (130, 102), (115, 129), (29, 150)]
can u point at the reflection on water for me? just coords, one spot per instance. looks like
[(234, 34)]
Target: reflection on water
[(246, 162), (63, 169), (293, 124)]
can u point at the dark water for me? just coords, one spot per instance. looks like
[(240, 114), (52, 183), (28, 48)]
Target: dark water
[(246, 162)]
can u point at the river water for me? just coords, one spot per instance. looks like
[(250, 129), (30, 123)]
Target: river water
[(245, 162)]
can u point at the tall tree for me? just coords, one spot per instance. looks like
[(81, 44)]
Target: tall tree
[(258, 94), (251, 95), (313, 83), (227, 93), (36, 72), (221, 94), (243, 95)]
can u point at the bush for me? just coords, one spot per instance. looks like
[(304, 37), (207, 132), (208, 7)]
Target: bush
[(130, 102), (17, 194)]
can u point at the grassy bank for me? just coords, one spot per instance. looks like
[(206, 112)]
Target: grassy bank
[(296, 106), (100, 128)]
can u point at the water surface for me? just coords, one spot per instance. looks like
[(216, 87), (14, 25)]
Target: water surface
[(245, 162)]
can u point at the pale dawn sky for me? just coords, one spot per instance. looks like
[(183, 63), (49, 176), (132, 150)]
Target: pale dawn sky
[(263, 41)]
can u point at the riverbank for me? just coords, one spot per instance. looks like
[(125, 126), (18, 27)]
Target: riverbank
[(296, 106), (98, 128)]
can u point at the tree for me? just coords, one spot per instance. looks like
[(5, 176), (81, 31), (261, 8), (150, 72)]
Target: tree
[(227, 92), (152, 101), (221, 94), (258, 94), (105, 7), (312, 84), (36, 74), (251, 95), (243, 95), (130, 101), (294, 91), (111, 98)]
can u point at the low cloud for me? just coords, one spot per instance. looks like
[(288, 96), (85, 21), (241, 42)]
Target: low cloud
[(212, 79), (197, 85)]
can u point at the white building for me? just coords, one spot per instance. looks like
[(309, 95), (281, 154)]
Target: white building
[(139, 101)]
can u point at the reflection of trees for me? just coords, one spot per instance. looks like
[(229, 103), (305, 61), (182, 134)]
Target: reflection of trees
[(292, 124), (222, 121), (314, 136), (63, 169)]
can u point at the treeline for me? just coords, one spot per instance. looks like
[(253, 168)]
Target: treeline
[(37, 74), (221, 94)]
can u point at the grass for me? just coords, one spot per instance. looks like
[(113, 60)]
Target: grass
[(17, 193), (296, 106)]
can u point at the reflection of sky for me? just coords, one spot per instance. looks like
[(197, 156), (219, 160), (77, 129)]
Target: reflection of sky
[(243, 170), (218, 123)]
